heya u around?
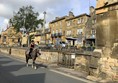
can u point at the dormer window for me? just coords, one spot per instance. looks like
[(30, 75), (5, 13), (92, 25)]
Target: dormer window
[(68, 23), (80, 20)]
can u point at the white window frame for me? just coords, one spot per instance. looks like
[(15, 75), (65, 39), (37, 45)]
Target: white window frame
[(82, 20), (56, 31), (53, 32), (79, 20), (69, 32), (60, 30), (93, 32), (79, 31), (68, 23)]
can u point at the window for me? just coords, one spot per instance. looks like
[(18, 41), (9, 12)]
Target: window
[(68, 23), (60, 30), (79, 31), (56, 31), (52, 32), (4, 38), (68, 32), (93, 32), (93, 21), (80, 20)]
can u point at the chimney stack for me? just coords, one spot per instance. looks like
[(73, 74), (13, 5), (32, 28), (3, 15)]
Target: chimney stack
[(71, 14)]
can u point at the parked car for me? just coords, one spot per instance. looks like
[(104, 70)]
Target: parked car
[(50, 45), (62, 44)]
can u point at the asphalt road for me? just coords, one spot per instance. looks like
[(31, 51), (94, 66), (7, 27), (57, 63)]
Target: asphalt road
[(15, 71)]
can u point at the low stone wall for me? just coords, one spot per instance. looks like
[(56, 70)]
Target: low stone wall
[(88, 63), (103, 68), (18, 52), (47, 57), (5, 50), (108, 68), (82, 63)]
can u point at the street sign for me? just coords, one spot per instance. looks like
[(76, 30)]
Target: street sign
[(73, 56)]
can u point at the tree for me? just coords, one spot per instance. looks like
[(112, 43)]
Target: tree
[(26, 19)]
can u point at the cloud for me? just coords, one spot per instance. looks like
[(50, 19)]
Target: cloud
[(50, 6), (5, 11), (4, 23), (81, 6), (53, 8)]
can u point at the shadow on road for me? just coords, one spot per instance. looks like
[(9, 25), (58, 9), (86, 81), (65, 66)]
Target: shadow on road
[(4, 62), (12, 71), (33, 78)]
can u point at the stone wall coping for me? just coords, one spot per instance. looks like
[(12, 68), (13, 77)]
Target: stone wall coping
[(77, 53)]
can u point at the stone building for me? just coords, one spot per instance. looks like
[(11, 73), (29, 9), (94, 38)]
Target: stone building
[(57, 28), (42, 38), (9, 37), (69, 29), (75, 29)]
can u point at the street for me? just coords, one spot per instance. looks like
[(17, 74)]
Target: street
[(15, 71)]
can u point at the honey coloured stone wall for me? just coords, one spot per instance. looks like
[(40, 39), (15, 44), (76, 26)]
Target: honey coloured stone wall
[(45, 57), (81, 63)]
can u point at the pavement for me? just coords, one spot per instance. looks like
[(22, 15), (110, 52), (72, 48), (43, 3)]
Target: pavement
[(71, 72)]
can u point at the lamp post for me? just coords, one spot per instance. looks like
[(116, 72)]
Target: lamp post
[(44, 26)]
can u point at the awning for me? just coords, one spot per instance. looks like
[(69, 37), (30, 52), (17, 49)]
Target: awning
[(90, 38), (70, 38)]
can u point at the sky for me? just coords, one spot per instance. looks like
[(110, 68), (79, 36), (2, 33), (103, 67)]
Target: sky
[(53, 8)]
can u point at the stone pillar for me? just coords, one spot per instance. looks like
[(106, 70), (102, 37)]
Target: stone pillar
[(106, 32), (107, 41)]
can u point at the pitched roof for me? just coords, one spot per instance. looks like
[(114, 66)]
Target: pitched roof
[(84, 14), (61, 18)]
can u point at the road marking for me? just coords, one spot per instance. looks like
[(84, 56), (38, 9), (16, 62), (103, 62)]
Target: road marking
[(77, 78)]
